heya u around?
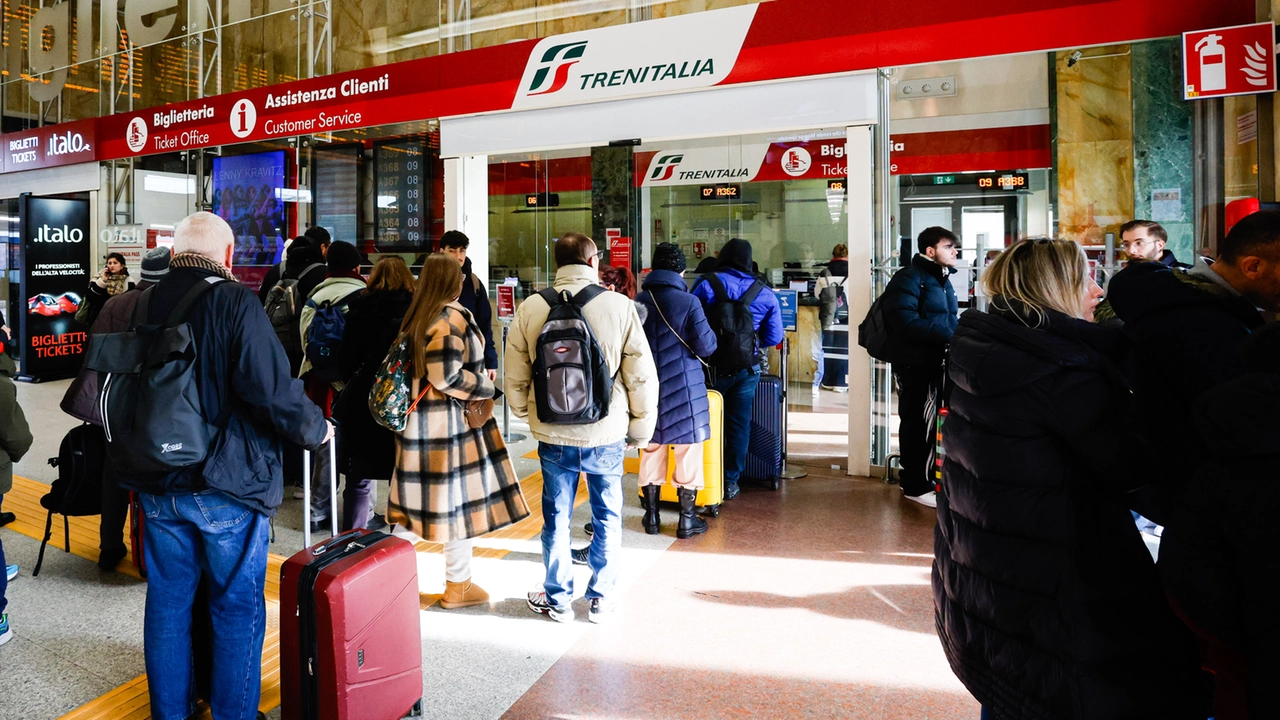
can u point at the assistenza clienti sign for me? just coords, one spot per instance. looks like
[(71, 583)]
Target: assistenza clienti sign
[(679, 53)]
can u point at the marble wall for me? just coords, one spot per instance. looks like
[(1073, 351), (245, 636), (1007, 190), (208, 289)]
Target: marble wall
[(1095, 143), (1162, 144)]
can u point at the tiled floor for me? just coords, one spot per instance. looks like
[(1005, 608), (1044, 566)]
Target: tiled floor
[(812, 601)]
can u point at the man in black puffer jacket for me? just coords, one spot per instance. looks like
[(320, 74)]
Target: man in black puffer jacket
[(921, 308), (1218, 558)]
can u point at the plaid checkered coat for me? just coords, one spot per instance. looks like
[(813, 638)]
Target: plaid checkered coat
[(452, 482)]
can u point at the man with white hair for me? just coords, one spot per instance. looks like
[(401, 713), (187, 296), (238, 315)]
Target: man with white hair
[(213, 519)]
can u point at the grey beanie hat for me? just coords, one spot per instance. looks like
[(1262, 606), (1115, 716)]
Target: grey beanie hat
[(669, 256), (155, 264)]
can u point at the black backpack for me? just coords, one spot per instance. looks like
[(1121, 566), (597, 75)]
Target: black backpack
[(324, 335), (284, 308), (571, 379), (873, 333), (78, 489), (734, 326), (151, 409)]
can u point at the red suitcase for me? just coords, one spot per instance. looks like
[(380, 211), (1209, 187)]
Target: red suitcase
[(350, 643)]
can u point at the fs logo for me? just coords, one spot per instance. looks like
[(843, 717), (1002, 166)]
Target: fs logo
[(561, 58), (666, 167)]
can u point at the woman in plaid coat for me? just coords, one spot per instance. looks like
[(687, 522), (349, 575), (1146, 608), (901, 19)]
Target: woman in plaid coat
[(451, 483)]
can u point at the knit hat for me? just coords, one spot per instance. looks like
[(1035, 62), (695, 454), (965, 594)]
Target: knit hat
[(155, 264), (669, 256), (736, 254), (343, 257)]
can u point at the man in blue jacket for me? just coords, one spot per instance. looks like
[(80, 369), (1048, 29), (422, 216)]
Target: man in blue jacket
[(214, 518), (474, 297), (920, 306), (738, 385)]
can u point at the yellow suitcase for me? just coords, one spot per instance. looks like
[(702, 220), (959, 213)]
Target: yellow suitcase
[(711, 496)]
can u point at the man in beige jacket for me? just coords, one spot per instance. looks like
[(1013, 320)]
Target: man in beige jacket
[(596, 449)]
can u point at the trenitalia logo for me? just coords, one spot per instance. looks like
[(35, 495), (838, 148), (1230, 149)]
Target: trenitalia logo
[(562, 58), (665, 168)]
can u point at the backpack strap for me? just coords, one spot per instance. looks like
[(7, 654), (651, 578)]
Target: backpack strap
[(752, 293), (718, 290), (587, 294), (551, 296), (305, 271), (140, 309), (179, 313)]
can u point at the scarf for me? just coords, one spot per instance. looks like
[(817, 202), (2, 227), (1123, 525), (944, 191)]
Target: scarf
[(199, 262), (352, 274)]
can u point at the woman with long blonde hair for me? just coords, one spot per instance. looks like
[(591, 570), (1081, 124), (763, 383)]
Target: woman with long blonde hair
[(1048, 603), (452, 482)]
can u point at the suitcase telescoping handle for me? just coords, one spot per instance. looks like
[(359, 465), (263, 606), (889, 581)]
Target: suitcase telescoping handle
[(333, 493)]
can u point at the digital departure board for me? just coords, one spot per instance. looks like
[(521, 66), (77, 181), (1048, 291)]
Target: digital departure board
[(403, 194), (721, 192)]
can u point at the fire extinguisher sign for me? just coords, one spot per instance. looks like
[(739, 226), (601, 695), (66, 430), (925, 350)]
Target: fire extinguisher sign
[(1238, 60)]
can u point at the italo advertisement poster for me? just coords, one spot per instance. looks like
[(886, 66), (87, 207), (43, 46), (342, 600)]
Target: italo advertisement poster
[(55, 273), (248, 192)]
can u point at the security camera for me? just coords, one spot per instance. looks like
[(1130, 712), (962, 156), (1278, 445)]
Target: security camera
[(1074, 58)]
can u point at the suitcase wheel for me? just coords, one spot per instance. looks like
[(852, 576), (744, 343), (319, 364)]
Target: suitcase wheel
[(713, 511), (416, 711)]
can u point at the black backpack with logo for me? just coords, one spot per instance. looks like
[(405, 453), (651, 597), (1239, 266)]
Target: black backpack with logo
[(151, 409), (734, 326), (571, 379)]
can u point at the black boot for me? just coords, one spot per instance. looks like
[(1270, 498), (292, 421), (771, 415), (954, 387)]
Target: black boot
[(649, 501), (690, 524)]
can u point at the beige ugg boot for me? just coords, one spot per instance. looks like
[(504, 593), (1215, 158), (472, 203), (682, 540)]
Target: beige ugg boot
[(462, 594)]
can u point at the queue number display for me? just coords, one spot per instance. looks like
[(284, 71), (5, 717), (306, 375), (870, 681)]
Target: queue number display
[(403, 193), (721, 192), (1006, 181), (537, 200)]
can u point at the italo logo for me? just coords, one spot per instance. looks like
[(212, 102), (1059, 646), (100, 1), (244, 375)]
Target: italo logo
[(244, 116), (62, 234), (136, 135), (666, 167), (66, 143), (556, 63)]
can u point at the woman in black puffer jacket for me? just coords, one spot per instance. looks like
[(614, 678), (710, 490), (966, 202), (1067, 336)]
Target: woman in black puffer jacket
[(1048, 604), (366, 450)]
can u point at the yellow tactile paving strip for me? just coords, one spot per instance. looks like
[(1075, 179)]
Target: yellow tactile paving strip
[(129, 701), (24, 501)]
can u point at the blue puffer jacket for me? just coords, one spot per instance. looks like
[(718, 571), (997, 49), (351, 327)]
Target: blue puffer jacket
[(921, 308), (765, 308), (683, 415)]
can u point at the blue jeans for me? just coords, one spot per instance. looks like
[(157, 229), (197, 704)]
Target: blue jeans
[(561, 467), (213, 534), (4, 576), (739, 391)]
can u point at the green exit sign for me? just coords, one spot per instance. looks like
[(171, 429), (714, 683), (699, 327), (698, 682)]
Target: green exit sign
[(944, 179)]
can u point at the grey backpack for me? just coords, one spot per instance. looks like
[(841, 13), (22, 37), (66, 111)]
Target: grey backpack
[(571, 379)]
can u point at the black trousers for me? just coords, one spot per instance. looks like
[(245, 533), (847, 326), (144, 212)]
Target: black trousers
[(916, 432), (115, 506)]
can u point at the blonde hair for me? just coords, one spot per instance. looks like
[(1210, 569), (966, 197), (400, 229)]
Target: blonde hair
[(390, 273), (1042, 274), (205, 234), (439, 284)]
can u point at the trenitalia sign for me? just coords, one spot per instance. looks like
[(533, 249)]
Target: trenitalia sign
[(746, 44)]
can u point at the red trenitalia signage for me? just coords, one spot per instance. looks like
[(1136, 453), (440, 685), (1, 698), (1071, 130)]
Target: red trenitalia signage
[(1237, 60), (761, 42)]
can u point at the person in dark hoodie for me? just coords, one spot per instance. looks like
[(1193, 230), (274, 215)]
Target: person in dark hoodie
[(679, 336), (1188, 330), (474, 297), (1217, 558), (1047, 602), (316, 236), (734, 280)]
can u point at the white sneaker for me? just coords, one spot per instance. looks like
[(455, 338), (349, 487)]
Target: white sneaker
[(929, 499), (297, 492), (538, 603)]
